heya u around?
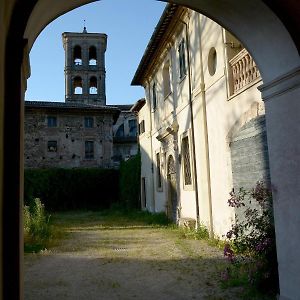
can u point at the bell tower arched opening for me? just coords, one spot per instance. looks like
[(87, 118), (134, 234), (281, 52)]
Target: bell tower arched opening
[(77, 56), (92, 56)]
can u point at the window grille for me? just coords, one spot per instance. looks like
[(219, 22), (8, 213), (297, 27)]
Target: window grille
[(89, 149), (186, 161)]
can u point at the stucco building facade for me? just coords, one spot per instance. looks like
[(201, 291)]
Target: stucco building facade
[(202, 126)]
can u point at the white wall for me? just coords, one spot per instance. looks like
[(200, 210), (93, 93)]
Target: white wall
[(215, 114)]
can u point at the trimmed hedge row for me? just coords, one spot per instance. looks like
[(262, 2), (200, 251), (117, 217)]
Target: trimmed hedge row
[(130, 173), (70, 189)]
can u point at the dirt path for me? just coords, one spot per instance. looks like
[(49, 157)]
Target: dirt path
[(113, 262)]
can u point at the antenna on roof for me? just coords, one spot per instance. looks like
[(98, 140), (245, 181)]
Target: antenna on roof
[(84, 28)]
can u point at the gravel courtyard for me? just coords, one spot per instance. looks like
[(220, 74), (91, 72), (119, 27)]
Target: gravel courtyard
[(101, 259)]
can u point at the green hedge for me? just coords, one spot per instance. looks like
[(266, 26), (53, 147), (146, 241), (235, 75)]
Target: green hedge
[(130, 173), (68, 189)]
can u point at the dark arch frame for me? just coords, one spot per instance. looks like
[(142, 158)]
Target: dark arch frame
[(13, 109)]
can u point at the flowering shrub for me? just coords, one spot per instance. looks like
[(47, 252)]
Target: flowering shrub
[(250, 246)]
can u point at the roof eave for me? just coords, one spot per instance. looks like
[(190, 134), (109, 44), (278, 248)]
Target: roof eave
[(155, 40)]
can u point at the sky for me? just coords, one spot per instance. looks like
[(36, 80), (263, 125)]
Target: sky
[(129, 25)]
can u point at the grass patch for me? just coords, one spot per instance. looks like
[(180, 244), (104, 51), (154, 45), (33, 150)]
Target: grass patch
[(108, 219)]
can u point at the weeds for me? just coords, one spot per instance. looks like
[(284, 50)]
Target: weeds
[(37, 229)]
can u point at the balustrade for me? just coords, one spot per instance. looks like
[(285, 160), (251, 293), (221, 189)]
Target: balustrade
[(244, 70)]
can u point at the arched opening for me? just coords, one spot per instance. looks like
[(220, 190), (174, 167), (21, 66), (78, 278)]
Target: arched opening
[(93, 88), (77, 85), (92, 56), (277, 68), (77, 56)]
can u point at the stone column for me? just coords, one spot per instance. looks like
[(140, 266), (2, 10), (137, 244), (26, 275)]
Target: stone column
[(282, 102)]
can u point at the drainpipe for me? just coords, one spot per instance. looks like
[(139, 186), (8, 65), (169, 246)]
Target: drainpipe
[(203, 102), (192, 124), (151, 147)]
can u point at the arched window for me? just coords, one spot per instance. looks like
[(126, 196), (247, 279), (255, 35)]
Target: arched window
[(92, 56), (166, 79), (77, 58), (77, 85), (93, 86)]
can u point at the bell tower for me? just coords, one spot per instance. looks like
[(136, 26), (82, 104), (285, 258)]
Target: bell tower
[(85, 67)]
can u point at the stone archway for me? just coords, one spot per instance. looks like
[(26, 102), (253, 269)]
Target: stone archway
[(172, 201), (269, 31)]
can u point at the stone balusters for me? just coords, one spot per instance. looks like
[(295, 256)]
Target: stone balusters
[(244, 70)]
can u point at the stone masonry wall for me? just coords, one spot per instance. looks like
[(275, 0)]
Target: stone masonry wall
[(249, 154), (70, 135)]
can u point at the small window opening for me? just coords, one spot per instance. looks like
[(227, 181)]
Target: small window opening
[(93, 86), (52, 146), (92, 56), (88, 122), (77, 84), (52, 121), (77, 56)]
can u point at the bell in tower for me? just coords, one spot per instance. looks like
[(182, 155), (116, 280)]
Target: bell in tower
[(85, 67)]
